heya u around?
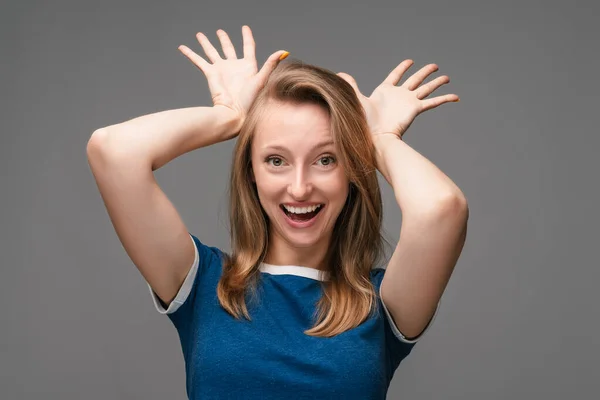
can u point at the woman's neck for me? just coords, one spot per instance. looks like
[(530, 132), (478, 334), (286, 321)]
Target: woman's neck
[(282, 252)]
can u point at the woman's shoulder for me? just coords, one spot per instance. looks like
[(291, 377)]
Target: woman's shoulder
[(207, 250), (376, 275)]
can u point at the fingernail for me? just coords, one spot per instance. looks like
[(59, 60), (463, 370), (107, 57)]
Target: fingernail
[(457, 100), (284, 55)]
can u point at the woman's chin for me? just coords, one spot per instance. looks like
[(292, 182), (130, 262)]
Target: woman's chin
[(303, 243), (300, 238)]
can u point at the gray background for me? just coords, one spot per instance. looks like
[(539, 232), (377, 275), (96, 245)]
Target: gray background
[(519, 317)]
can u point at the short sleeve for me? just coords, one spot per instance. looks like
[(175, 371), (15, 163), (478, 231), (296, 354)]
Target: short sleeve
[(395, 329), (378, 278), (204, 256)]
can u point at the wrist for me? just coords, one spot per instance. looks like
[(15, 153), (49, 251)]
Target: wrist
[(383, 140), (229, 122), (385, 134)]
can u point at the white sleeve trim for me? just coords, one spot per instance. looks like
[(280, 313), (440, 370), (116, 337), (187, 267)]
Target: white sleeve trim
[(183, 292), (395, 329)]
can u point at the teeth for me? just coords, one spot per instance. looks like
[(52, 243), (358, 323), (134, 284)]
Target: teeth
[(301, 210)]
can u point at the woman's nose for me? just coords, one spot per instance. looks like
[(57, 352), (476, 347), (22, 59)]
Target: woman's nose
[(300, 188)]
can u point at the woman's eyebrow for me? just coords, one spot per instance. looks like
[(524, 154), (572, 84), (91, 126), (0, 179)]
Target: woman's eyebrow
[(283, 148)]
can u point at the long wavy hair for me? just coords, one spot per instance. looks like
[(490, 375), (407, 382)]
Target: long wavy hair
[(357, 243)]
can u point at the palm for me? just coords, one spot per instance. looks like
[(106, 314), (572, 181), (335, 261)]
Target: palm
[(233, 82), (389, 103), (391, 108)]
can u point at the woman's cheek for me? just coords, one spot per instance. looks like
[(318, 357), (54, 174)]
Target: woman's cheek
[(339, 185)]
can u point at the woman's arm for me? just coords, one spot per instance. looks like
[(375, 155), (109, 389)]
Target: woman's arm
[(158, 138), (434, 210), (432, 236), (122, 158)]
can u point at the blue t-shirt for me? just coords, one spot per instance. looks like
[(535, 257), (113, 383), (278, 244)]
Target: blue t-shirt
[(270, 357)]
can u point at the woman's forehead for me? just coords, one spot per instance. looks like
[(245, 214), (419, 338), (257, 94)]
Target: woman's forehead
[(288, 124)]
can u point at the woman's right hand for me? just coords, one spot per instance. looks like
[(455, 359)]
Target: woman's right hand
[(233, 82)]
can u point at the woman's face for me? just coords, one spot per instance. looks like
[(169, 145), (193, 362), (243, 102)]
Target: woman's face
[(294, 163)]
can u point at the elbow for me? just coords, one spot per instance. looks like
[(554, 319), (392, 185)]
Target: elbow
[(454, 205), (451, 206), (95, 140), (106, 148), (96, 144)]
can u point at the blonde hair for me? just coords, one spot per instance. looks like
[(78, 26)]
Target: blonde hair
[(357, 243)]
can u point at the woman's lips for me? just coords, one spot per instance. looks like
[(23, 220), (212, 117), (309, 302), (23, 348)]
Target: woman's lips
[(301, 224)]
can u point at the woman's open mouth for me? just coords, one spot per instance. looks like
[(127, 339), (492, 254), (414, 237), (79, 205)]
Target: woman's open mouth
[(301, 220)]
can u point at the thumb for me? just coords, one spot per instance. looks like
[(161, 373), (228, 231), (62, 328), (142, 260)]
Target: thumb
[(350, 80), (271, 63)]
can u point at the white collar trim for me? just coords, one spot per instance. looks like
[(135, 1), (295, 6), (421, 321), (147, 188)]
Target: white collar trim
[(297, 270)]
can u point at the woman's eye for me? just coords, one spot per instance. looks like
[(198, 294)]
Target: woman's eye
[(330, 158), (278, 161)]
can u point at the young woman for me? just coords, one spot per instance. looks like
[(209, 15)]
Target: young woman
[(299, 308)]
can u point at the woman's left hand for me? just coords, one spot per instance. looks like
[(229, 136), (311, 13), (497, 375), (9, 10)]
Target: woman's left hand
[(391, 108)]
